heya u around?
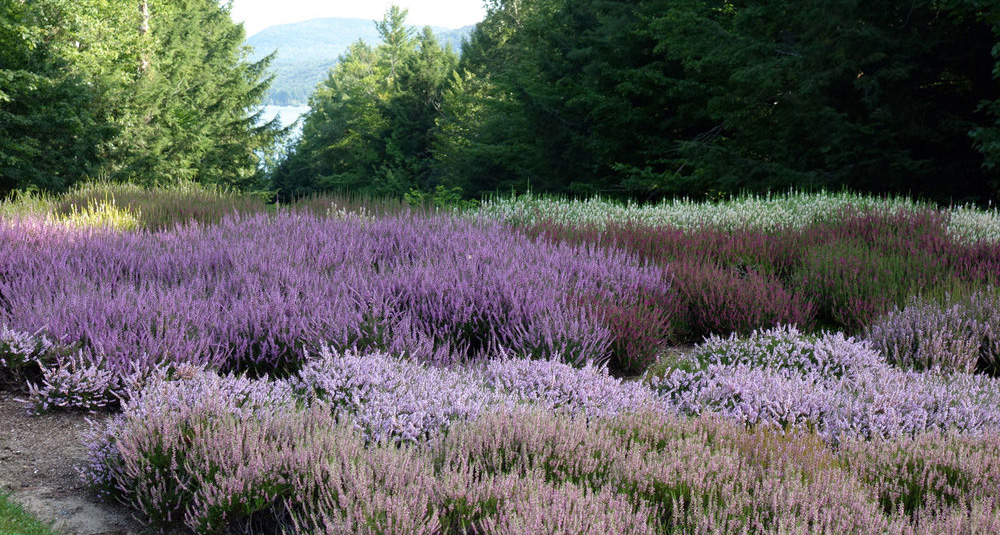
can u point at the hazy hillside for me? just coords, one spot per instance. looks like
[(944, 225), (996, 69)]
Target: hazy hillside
[(306, 50)]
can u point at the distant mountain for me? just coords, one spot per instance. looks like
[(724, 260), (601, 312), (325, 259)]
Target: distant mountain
[(307, 50)]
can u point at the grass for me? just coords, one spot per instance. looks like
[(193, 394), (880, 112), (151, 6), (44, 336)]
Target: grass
[(14, 520)]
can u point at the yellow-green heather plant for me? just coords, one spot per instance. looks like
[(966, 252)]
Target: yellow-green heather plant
[(165, 207), (106, 214)]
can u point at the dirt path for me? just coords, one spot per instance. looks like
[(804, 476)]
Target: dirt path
[(39, 457)]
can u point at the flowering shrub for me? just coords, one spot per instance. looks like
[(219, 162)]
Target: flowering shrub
[(21, 354), (221, 454), (912, 472), (960, 334), (834, 385), (972, 224), (134, 456), (752, 212), (78, 381), (389, 398), (719, 300), (392, 399), (852, 285), (843, 270), (155, 207), (195, 445), (769, 212), (236, 297), (559, 387)]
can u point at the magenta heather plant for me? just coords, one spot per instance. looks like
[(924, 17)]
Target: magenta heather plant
[(773, 253), (853, 284), (638, 325), (724, 301), (236, 296)]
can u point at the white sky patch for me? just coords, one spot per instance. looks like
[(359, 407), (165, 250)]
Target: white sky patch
[(259, 14)]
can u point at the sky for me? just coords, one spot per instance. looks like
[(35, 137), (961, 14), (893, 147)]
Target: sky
[(259, 14)]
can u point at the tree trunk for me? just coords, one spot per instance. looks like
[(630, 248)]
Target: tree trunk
[(143, 31)]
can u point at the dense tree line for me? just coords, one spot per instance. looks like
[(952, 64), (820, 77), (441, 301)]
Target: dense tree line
[(151, 91), (653, 98), (372, 121), (643, 99)]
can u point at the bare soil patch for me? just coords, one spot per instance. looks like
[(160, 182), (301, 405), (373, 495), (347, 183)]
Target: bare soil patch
[(39, 461)]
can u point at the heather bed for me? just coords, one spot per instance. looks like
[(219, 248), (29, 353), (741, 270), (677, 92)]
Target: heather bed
[(342, 373), (772, 433), (841, 270), (517, 447), (252, 293)]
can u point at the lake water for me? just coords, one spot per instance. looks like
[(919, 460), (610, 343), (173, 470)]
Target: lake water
[(286, 114)]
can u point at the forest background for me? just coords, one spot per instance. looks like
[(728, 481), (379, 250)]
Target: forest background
[(641, 100)]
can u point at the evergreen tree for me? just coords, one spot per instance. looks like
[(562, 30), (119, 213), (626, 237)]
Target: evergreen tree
[(880, 97), (48, 129), (191, 113), (155, 91), (662, 97), (370, 126)]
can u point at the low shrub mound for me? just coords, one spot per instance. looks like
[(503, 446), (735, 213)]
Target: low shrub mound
[(22, 355), (390, 399), (225, 454), (831, 384), (961, 333)]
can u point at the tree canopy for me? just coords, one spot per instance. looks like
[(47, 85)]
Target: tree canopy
[(695, 97), (372, 120), (154, 92), (641, 99)]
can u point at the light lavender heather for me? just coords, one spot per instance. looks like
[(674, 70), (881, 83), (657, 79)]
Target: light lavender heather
[(835, 385)]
